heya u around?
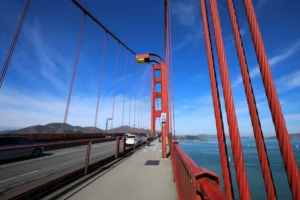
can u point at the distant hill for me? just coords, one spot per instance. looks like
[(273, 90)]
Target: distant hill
[(56, 128), (293, 136), (125, 129)]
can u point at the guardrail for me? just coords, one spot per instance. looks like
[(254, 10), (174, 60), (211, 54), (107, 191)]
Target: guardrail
[(45, 187), (48, 137), (58, 145), (192, 181)]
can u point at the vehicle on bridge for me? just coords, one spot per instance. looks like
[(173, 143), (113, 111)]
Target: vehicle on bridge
[(17, 141), (131, 139)]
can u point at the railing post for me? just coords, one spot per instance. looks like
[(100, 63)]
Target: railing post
[(174, 160), (124, 145), (170, 144), (117, 147), (87, 160)]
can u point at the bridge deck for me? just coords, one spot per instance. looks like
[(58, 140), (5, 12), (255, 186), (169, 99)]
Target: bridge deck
[(131, 179)]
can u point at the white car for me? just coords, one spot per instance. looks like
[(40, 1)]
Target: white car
[(132, 139)]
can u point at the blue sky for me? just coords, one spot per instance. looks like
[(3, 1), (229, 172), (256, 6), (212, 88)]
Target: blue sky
[(37, 82)]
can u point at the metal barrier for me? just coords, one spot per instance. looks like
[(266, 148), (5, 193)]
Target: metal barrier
[(192, 181), (48, 137), (58, 145)]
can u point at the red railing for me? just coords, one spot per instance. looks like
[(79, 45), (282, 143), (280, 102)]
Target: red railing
[(48, 137), (192, 181)]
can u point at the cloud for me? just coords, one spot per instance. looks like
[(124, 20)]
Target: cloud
[(261, 3), (42, 109), (196, 116), (193, 36), (289, 81), (52, 65), (254, 71), (186, 12)]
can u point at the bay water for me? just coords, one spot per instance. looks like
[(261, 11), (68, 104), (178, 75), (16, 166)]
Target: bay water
[(206, 154)]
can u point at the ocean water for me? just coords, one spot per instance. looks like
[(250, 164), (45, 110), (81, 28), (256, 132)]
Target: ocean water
[(206, 154)]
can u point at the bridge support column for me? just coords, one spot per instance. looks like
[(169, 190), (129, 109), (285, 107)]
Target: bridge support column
[(145, 58)]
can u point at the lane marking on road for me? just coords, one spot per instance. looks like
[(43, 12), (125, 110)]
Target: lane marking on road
[(14, 177), (155, 147), (28, 173), (8, 179)]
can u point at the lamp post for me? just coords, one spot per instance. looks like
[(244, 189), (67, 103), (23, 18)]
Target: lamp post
[(145, 58), (107, 123)]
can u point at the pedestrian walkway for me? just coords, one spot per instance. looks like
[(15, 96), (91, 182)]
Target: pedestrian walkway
[(142, 176)]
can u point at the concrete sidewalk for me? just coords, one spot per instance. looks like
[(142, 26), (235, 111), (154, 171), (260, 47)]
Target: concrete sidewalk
[(132, 179)]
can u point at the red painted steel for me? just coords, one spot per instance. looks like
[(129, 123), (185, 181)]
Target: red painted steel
[(259, 138), (87, 160), (100, 81), (73, 74), (274, 104), (55, 144), (153, 99), (239, 164), (124, 144), (117, 147), (14, 42), (115, 87), (193, 182), (217, 105)]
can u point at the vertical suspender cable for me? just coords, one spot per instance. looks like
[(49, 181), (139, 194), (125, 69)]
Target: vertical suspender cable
[(239, 164), (100, 81), (274, 104), (115, 86), (14, 42), (171, 74), (136, 80), (217, 105), (124, 92), (259, 138), (130, 87), (73, 74)]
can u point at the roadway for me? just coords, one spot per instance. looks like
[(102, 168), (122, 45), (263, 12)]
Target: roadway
[(21, 174)]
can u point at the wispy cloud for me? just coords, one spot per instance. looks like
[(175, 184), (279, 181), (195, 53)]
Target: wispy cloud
[(45, 108), (261, 3), (194, 37), (52, 64), (254, 72), (185, 12), (289, 81)]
